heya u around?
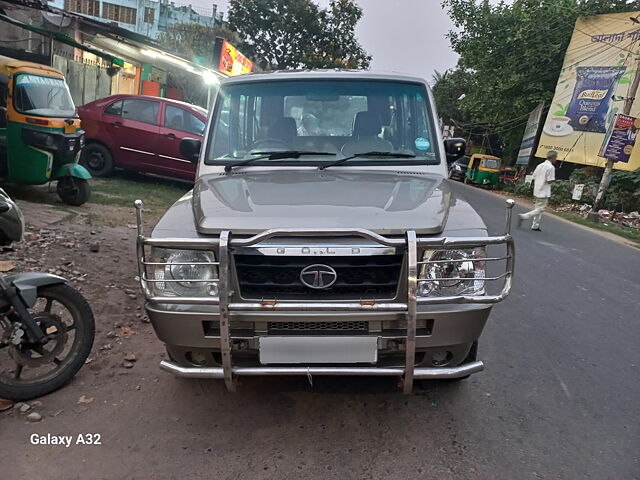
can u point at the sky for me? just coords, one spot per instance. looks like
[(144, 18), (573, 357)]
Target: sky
[(405, 36)]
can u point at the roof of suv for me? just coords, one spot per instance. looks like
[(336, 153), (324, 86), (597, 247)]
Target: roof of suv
[(280, 75)]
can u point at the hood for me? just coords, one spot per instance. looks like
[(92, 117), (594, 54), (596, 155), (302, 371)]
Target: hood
[(386, 201)]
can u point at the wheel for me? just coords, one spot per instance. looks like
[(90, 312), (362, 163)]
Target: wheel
[(97, 159), (27, 370), (73, 191)]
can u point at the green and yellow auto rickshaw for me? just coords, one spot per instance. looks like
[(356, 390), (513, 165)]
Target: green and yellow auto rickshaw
[(40, 135), (483, 170)]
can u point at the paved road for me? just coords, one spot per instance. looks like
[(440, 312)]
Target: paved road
[(560, 397)]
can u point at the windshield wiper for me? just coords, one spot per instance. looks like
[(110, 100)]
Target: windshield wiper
[(367, 154), (275, 155)]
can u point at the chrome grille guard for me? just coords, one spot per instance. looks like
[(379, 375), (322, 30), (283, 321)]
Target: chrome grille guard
[(410, 242)]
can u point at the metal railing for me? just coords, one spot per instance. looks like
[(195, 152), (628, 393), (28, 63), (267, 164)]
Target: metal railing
[(410, 242)]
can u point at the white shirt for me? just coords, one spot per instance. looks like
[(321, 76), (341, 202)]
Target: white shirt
[(542, 175)]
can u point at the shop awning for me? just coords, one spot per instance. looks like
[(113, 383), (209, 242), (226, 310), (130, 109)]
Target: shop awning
[(145, 53), (62, 38)]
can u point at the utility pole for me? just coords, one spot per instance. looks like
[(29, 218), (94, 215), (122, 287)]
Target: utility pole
[(604, 182)]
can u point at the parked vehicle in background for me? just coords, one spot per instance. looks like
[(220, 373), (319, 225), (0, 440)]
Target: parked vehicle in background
[(458, 168), (337, 251), (140, 133), (46, 326), (508, 174), (40, 135), (483, 170)]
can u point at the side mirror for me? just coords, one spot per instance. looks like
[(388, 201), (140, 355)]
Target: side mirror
[(190, 149), (454, 148)]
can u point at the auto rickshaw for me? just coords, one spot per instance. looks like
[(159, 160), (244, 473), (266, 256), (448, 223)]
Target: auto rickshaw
[(40, 135), (483, 170)]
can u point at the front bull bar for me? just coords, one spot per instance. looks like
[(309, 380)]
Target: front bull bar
[(225, 243)]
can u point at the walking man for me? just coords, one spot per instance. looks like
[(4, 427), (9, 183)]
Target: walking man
[(543, 176)]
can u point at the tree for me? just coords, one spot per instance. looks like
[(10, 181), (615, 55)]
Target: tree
[(513, 54), (338, 47), (290, 34), (193, 41)]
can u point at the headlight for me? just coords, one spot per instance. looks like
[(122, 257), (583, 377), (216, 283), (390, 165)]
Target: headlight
[(457, 167), (452, 272), (187, 273), (37, 138)]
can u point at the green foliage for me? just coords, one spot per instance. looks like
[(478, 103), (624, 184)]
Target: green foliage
[(517, 187), (623, 193), (561, 191), (192, 41), (295, 34), (448, 87), (511, 54)]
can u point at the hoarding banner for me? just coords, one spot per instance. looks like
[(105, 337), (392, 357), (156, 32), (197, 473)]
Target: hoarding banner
[(594, 84), (229, 60), (621, 138), (530, 136)]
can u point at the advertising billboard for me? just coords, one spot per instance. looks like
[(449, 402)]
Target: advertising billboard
[(620, 140), (530, 136), (593, 87), (229, 61)]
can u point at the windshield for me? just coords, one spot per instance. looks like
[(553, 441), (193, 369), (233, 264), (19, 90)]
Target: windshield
[(45, 96), (491, 163), (339, 117)]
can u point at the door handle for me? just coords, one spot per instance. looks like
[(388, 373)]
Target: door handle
[(170, 135), (116, 124)]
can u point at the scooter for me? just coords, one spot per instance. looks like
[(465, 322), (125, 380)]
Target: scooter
[(46, 326)]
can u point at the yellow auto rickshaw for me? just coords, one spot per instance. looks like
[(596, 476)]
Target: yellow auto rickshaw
[(483, 170), (40, 135)]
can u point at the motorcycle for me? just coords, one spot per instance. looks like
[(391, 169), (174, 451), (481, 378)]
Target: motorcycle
[(46, 326)]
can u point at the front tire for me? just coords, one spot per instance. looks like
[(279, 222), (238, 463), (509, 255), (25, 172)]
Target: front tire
[(73, 191), (97, 159), (15, 384)]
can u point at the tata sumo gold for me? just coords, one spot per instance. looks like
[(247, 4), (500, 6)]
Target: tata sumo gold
[(322, 238)]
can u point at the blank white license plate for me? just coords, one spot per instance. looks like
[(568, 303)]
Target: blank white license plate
[(297, 350)]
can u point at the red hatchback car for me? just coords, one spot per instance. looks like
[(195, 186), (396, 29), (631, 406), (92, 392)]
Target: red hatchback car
[(139, 133)]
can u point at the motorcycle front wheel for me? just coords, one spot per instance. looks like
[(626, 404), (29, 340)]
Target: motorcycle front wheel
[(32, 370)]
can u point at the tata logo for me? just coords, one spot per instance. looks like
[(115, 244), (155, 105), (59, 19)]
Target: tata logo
[(318, 276)]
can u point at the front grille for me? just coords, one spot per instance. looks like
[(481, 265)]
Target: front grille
[(275, 327), (358, 277)]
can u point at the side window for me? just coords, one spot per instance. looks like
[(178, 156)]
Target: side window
[(194, 124), (140, 110), (114, 109), (179, 119)]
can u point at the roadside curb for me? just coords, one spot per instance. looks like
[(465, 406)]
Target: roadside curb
[(525, 202)]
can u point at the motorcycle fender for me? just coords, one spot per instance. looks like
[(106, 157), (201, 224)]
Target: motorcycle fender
[(27, 284), (73, 170)]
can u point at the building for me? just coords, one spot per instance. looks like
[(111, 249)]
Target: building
[(146, 17)]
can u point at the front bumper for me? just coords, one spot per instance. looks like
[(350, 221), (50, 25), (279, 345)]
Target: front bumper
[(418, 373), (470, 310), (448, 330)]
